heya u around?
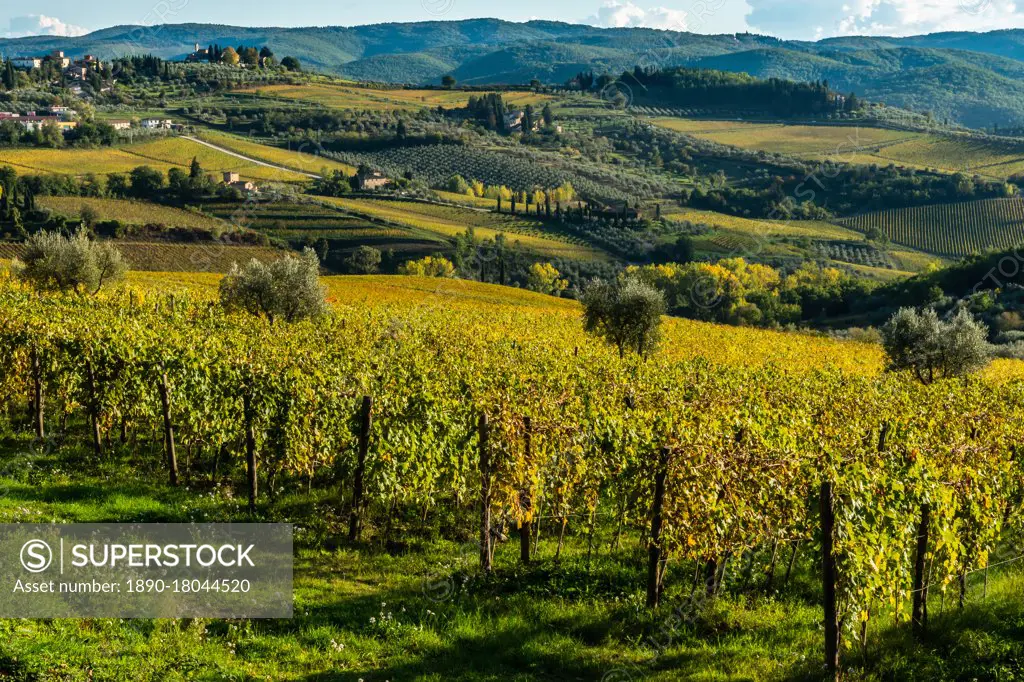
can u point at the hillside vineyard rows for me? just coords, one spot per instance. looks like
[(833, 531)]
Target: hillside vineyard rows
[(952, 229), (492, 416)]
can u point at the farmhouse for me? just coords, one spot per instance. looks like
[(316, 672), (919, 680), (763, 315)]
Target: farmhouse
[(157, 123), (235, 180), (514, 120), (368, 179)]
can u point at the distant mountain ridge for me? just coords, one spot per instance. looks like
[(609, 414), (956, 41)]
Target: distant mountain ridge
[(973, 78)]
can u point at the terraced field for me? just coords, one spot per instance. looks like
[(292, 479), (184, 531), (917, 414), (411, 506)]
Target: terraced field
[(449, 221), (339, 96), (953, 230), (162, 154), (298, 223), (131, 212), (170, 257)]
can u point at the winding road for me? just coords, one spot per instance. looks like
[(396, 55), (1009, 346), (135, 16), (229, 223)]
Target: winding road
[(224, 150)]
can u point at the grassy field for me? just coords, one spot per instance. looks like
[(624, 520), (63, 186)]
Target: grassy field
[(162, 154), (352, 97), (794, 140), (991, 159), (450, 221), (810, 229), (303, 160), (131, 212), (954, 230)]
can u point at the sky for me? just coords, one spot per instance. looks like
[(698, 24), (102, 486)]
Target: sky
[(790, 19)]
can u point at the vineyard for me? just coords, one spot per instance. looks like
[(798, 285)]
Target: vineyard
[(130, 212), (954, 230), (449, 221), (165, 257), (510, 420), (520, 171)]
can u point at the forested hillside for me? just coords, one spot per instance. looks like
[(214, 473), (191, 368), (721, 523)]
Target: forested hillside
[(969, 78)]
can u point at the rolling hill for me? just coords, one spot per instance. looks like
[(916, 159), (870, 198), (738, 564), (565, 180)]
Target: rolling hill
[(972, 78)]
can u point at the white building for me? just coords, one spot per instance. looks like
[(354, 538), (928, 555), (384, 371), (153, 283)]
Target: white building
[(27, 62), (157, 123)]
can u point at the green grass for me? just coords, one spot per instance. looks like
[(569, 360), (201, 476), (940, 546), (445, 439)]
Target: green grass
[(422, 611)]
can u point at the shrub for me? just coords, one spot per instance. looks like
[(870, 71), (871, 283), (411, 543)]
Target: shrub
[(431, 266), (287, 289)]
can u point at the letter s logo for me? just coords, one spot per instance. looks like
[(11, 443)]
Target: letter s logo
[(36, 556)]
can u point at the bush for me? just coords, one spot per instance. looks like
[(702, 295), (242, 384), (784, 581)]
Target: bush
[(53, 262), (287, 289), (431, 266), (364, 261)]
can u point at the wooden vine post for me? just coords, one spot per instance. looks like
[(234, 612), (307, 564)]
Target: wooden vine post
[(919, 613), (829, 576), (94, 410), (485, 496), (525, 527), (355, 522), (165, 404), (654, 552), (250, 452), (37, 395)]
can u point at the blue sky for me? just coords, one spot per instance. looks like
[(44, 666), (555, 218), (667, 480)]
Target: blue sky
[(802, 19)]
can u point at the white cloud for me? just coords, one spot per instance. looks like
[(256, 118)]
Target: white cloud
[(42, 25), (616, 14), (825, 18)]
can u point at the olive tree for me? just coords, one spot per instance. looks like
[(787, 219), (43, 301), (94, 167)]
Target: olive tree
[(288, 289), (933, 348), (626, 313), (54, 262)]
